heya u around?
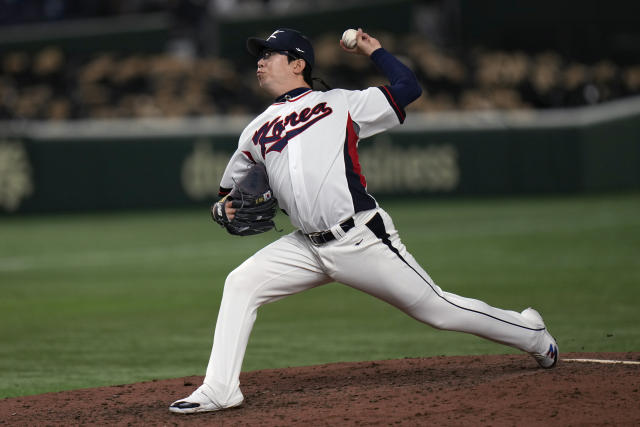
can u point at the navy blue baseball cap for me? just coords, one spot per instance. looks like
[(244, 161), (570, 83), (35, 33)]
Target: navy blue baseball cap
[(283, 39)]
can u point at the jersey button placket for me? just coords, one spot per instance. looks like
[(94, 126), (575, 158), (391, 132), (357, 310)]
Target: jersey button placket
[(295, 171)]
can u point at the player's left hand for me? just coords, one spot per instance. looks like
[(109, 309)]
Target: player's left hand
[(229, 210), (250, 207), (366, 45)]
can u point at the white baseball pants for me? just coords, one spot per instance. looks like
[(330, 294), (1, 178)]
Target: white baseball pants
[(370, 257)]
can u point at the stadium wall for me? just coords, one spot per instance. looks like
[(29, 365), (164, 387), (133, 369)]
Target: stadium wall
[(125, 164)]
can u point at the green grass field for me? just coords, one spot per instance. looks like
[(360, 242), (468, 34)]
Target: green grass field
[(99, 299)]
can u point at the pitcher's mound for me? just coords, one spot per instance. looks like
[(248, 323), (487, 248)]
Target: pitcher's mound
[(465, 390)]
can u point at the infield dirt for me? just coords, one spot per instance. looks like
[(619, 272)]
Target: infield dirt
[(465, 390)]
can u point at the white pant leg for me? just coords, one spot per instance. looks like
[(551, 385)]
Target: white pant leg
[(284, 267), (384, 269)]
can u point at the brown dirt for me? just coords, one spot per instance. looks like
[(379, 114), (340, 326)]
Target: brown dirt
[(469, 390)]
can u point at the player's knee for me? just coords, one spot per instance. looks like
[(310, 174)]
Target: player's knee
[(428, 314), (239, 284), (426, 318), (437, 323)]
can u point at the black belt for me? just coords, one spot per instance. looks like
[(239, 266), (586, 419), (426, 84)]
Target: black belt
[(327, 236)]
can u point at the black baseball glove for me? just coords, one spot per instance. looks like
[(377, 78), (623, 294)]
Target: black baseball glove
[(254, 203)]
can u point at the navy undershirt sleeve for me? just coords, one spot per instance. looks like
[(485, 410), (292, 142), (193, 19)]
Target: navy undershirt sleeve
[(404, 85)]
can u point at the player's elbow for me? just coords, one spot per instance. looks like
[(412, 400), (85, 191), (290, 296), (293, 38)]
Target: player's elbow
[(407, 92), (415, 93)]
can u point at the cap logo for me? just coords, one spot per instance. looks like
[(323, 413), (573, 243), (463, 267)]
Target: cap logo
[(299, 50), (275, 34)]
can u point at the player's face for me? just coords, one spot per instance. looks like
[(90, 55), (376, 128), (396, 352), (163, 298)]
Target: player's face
[(275, 72)]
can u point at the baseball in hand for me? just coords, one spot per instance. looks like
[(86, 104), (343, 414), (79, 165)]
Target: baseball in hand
[(349, 38)]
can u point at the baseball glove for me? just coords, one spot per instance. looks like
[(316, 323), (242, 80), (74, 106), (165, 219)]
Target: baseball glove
[(254, 203)]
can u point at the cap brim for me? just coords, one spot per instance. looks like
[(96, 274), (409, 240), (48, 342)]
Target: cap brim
[(255, 46)]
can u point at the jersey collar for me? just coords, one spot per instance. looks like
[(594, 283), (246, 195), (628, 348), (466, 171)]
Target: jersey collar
[(292, 94)]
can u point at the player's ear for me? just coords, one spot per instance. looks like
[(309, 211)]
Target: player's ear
[(299, 66)]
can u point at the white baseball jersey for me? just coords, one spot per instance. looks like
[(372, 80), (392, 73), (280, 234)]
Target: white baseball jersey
[(308, 144)]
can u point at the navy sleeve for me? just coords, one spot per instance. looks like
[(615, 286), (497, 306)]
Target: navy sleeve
[(404, 85)]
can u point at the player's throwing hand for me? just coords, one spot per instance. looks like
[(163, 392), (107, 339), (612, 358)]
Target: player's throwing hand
[(366, 44)]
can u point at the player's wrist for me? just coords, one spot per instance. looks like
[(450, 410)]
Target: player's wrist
[(377, 52)]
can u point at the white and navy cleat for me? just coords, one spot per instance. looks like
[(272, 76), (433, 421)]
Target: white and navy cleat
[(200, 401), (548, 357)]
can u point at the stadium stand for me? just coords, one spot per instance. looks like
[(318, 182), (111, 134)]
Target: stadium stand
[(57, 83), (51, 84)]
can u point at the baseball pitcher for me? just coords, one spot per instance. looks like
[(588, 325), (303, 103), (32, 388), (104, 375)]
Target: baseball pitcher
[(302, 152)]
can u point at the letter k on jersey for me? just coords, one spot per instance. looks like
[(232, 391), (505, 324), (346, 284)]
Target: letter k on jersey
[(277, 133)]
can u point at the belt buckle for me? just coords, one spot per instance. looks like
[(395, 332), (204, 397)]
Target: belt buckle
[(317, 238)]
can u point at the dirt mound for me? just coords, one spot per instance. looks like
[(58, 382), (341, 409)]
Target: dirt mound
[(470, 390)]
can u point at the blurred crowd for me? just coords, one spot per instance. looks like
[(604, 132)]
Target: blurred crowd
[(52, 84), (13, 12)]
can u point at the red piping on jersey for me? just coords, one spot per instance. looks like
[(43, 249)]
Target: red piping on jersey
[(294, 99), (352, 141), (248, 154), (392, 100)]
